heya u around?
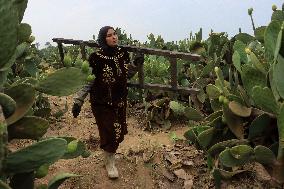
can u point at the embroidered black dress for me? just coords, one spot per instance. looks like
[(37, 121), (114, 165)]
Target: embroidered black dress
[(108, 95)]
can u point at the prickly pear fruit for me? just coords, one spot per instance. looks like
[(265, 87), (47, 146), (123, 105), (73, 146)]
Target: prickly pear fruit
[(42, 171), (250, 10), (72, 146), (67, 61), (85, 67), (274, 7), (31, 39), (90, 78), (221, 98)]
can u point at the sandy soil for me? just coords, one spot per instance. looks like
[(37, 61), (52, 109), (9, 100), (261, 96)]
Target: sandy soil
[(145, 159)]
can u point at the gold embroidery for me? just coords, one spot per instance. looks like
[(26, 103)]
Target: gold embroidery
[(117, 66), (108, 75), (120, 104), (117, 56), (117, 129)]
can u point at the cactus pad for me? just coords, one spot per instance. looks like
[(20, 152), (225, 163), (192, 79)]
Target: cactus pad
[(271, 36), (264, 99), (237, 61), (206, 137), (8, 105), (278, 15), (24, 32), (24, 96), (62, 82), (219, 147), (278, 71), (212, 91), (193, 114), (241, 151), (264, 155), (30, 158), (258, 126), (214, 115), (177, 107), (29, 127), (240, 48), (234, 122), (259, 33), (9, 23), (228, 160), (252, 77), (239, 109)]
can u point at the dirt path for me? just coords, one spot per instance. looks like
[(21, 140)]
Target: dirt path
[(145, 160), (135, 171)]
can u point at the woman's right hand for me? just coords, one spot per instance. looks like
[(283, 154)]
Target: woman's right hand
[(76, 110)]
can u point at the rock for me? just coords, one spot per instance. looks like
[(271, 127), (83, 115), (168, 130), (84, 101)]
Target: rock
[(187, 162), (188, 184), (181, 174), (172, 158)]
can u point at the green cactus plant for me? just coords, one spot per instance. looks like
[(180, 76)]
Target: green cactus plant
[(234, 122), (192, 114), (228, 160), (8, 105), (32, 157), (258, 126), (277, 76), (252, 77), (264, 155), (60, 83), (29, 127), (24, 96), (206, 137), (259, 33), (212, 91), (264, 98), (239, 109), (219, 147)]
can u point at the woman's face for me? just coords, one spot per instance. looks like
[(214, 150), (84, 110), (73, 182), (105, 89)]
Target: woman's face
[(111, 38)]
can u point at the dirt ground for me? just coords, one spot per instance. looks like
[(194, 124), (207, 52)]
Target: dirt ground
[(145, 159)]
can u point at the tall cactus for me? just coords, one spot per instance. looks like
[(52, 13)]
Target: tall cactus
[(17, 99)]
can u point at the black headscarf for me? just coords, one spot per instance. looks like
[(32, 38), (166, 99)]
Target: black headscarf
[(102, 40)]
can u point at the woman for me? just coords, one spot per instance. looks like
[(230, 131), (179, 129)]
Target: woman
[(108, 93)]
